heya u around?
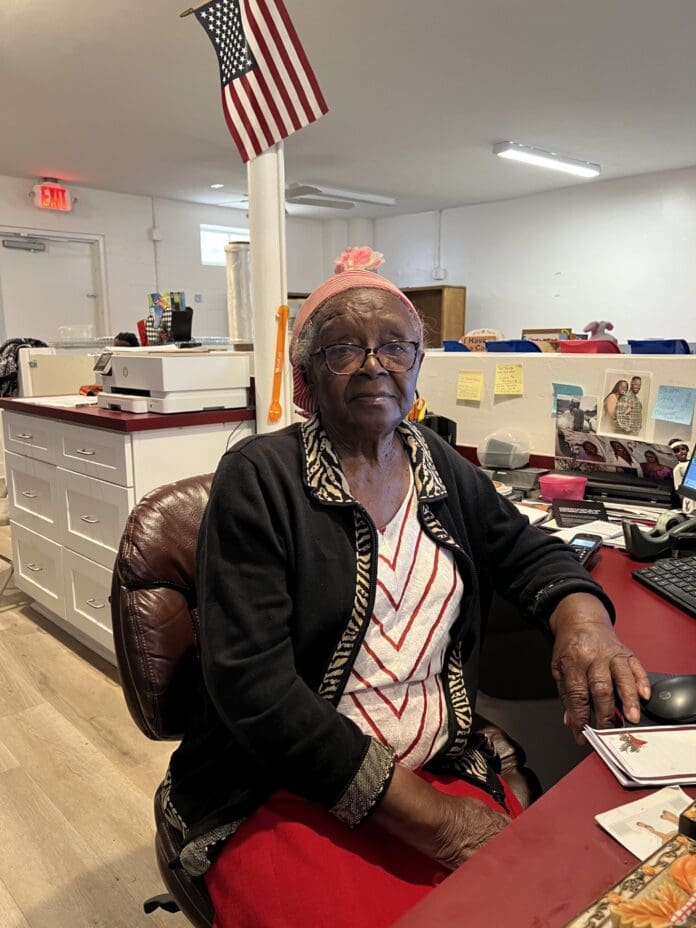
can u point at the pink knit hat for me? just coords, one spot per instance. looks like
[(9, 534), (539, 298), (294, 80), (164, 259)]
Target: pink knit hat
[(339, 283)]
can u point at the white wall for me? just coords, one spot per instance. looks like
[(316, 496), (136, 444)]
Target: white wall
[(179, 264), (124, 222), (622, 250), (136, 267), (531, 412)]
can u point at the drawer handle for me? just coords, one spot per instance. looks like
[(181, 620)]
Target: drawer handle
[(34, 566), (88, 452), (94, 603), (29, 494), (90, 520), (25, 436)]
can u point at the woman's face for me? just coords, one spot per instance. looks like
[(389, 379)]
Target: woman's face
[(622, 387), (372, 400), (650, 457)]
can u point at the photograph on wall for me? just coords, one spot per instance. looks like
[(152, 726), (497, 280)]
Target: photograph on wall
[(582, 446), (576, 413), (587, 452), (623, 408)]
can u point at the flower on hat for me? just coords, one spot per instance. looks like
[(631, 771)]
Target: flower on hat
[(358, 258)]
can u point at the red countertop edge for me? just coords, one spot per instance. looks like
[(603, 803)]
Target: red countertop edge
[(114, 421)]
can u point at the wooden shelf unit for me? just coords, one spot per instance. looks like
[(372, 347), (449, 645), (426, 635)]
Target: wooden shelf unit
[(443, 309)]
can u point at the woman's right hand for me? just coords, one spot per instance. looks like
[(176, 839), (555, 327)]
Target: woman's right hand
[(468, 824), (449, 829)]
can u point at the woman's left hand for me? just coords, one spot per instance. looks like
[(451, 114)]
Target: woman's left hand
[(590, 665)]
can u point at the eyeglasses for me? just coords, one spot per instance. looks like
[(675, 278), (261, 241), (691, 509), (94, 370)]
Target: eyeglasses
[(396, 357)]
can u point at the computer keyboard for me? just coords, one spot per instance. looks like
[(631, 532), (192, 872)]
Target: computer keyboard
[(673, 579)]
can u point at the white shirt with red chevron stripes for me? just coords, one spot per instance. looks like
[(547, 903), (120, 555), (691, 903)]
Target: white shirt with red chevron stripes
[(395, 692)]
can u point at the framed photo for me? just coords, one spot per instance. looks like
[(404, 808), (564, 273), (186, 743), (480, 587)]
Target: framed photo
[(623, 406), (547, 339)]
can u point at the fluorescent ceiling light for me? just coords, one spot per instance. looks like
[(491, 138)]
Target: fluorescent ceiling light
[(216, 186), (515, 151), (302, 193)]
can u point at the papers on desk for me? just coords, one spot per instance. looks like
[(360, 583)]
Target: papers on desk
[(659, 755), (645, 825), (610, 533), (658, 891), (647, 514), (535, 514)]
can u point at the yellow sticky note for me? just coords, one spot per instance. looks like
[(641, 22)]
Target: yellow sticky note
[(509, 380), (469, 385)]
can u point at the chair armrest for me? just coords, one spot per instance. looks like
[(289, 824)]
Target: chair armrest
[(521, 779)]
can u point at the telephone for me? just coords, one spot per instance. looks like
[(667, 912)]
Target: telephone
[(674, 533)]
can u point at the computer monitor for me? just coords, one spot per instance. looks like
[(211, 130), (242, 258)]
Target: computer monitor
[(688, 484)]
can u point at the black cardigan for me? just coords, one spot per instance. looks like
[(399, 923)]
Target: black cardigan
[(287, 564)]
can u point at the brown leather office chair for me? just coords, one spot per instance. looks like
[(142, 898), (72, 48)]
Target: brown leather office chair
[(155, 622)]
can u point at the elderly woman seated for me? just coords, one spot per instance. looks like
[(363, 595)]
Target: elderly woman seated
[(346, 564)]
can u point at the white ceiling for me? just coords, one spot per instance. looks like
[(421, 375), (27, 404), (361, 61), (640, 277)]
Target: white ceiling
[(124, 96)]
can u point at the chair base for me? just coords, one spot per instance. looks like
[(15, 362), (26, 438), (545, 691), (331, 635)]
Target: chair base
[(163, 901)]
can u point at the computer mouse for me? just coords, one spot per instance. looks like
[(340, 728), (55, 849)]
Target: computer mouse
[(673, 700)]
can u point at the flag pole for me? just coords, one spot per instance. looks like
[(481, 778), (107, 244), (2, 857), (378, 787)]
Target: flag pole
[(192, 9), (266, 184)]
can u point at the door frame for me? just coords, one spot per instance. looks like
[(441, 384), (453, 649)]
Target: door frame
[(98, 250)]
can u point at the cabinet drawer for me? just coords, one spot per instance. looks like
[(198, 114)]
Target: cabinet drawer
[(95, 513), (96, 453), (31, 435), (33, 495), (87, 588), (38, 564)]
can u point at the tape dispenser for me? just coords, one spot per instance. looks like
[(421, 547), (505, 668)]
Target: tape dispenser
[(674, 533)]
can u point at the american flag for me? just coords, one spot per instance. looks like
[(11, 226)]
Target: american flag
[(269, 89)]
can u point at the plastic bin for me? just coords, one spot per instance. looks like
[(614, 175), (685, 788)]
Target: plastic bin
[(659, 346), (591, 346), (512, 344)]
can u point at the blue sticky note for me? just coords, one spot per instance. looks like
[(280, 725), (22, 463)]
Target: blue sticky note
[(564, 389), (675, 404)]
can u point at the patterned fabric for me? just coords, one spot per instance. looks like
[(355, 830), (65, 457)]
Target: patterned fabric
[(367, 786), (159, 333), (9, 383), (395, 692), (327, 483), (629, 414), (463, 755)]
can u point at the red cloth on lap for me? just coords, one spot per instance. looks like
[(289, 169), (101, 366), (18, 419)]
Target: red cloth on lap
[(293, 865)]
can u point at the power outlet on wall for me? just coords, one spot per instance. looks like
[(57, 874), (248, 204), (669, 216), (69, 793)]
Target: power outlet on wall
[(197, 297), (439, 273)]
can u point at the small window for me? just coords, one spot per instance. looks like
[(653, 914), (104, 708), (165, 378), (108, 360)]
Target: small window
[(213, 241)]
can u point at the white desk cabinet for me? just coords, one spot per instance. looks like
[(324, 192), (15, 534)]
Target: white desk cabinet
[(71, 487)]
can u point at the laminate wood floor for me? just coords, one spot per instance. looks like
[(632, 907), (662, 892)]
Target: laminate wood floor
[(76, 785)]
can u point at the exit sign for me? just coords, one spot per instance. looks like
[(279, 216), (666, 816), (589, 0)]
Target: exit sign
[(52, 196)]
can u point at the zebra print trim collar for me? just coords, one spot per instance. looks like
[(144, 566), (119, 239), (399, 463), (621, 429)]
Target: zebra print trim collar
[(326, 481)]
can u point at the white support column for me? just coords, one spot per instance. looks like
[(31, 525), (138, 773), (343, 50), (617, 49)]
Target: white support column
[(269, 289)]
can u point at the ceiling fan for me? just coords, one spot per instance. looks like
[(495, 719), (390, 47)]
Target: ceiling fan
[(325, 197)]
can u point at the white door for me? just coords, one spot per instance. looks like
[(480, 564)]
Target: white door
[(42, 290)]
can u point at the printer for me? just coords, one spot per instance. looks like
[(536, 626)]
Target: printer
[(169, 381)]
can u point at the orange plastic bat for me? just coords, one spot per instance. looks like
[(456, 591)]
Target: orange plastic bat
[(275, 410)]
